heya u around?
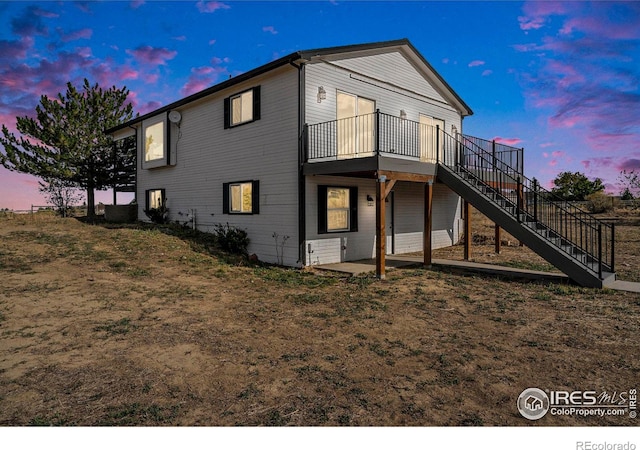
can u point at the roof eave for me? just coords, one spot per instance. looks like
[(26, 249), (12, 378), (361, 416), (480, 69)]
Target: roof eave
[(211, 90)]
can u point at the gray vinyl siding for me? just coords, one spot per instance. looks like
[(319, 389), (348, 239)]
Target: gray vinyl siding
[(207, 155), (408, 221), (418, 97)]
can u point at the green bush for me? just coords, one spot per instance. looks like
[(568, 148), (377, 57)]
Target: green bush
[(231, 239)]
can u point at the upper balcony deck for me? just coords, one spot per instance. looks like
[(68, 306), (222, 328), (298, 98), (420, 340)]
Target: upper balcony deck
[(381, 142)]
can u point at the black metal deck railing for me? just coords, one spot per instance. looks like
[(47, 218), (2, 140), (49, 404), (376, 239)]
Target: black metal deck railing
[(383, 134), (587, 239)]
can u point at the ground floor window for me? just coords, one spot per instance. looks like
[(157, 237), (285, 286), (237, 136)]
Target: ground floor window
[(241, 197), (155, 198), (337, 209)]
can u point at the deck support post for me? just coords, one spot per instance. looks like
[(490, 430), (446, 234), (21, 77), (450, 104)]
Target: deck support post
[(498, 238), (428, 208), (381, 234), (467, 230)]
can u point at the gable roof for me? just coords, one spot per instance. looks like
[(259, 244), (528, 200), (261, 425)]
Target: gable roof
[(345, 51)]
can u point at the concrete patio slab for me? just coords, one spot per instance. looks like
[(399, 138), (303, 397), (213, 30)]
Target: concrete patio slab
[(396, 261)]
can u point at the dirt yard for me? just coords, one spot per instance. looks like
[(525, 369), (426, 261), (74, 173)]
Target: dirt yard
[(126, 326)]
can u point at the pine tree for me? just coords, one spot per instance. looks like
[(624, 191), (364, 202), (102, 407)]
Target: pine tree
[(66, 141)]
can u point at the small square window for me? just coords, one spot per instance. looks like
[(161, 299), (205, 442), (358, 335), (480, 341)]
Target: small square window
[(241, 197), (242, 108), (156, 198)]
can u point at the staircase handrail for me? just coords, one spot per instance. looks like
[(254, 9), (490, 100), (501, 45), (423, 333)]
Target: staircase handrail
[(570, 212)]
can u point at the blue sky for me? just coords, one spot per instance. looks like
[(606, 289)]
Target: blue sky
[(561, 79)]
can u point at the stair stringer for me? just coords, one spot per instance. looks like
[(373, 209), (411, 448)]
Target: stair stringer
[(547, 250)]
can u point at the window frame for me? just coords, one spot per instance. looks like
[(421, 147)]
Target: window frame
[(323, 209), (227, 198), (166, 135), (163, 198), (255, 104)]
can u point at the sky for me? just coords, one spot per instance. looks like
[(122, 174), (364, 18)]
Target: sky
[(561, 79)]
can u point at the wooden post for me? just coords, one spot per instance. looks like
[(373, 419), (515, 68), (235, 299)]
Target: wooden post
[(381, 235), (426, 240), (467, 230), (498, 238)]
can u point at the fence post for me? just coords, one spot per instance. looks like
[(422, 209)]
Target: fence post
[(493, 153), (518, 198), (600, 251), (613, 247), (535, 200)]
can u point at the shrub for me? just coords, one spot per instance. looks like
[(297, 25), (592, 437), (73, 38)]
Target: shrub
[(160, 214), (600, 203), (231, 239)]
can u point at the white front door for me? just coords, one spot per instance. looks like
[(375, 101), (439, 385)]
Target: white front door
[(355, 131)]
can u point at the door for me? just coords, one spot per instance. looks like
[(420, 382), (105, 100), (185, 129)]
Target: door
[(390, 218), (427, 137), (355, 131)]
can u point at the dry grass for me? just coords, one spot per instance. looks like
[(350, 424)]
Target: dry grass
[(126, 326)]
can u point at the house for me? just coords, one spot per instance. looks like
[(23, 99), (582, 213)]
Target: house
[(336, 154), (533, 403)]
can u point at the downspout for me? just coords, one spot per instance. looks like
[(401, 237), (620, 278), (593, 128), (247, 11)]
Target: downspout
[(301, 181)]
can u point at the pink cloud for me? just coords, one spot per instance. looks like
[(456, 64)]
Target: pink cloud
[(212, 41), (558, 154), (476, 63), (85, 52), (84, 33), (202, 77), (507, 141), (13, 50), (44, 13), (269, 29), (531, 23), (181, 38), (154, 56), (135, 4), (553, 163), (151, 78), (487, 72), (545, 154), (629, 164), (547, 144), (209, 7)]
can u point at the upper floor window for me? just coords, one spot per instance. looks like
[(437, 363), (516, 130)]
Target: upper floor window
[(155, 146), (242, 108)]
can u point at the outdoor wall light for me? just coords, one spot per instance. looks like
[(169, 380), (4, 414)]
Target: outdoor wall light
[(322, 94), (403, 114), (369, 200)]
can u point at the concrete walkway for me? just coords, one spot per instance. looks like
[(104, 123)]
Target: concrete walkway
[(396, 261)]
